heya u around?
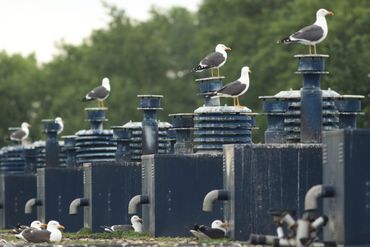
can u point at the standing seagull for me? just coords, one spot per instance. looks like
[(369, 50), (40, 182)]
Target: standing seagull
[(213, 60), (100, 93), (217, 230), (51, 234), (59, 121), (137, 226), (313, 34), (236, 88), (21, 134)]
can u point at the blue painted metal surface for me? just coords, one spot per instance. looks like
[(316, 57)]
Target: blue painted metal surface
[(311, 67), (219, 125), (176, 185), (122, 136), (95, 144), (108, 198), (164, 145), (183, 125), (69, 148), (346, 160), (261, 177), (15, 190), (207, 86), (39, 147), (12, 159), (284, 109), (52, 145), (150, 104)]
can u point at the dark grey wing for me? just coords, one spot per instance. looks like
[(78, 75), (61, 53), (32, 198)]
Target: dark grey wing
[(17, 135), (213, 233), (122, 228), (233, 88), (33, 235), (19, 228), (98, 93), (212, 60), (311, 33)]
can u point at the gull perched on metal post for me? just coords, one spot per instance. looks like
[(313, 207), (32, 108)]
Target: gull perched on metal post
[(21, 134), (213, 60), (236, 88), (312, 34), (99, 93), (59, 121)]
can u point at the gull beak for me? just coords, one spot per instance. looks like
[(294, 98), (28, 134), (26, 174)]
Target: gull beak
[(43, 225), (227, 49), (226, 225), (61, 227), (330, 13)]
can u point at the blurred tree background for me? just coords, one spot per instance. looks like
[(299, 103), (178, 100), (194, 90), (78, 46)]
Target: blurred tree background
[(156, 57)]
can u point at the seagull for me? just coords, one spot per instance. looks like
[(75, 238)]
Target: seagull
[(51, 234), (59, 121), (213, 60), (217, 230), (137, 226), (34, 224), (100, 93), (313, 34), (236, 88), (21, 134)]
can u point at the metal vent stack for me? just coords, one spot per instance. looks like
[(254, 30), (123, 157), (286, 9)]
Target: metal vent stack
[(217, 125), (95, 144)]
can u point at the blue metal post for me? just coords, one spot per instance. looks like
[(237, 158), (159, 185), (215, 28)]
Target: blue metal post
[(183, 124), (52, 145), (150, 104), (207, 86), (30, 155), (70, 148), (311, 67), (96, 117), (122, 135)]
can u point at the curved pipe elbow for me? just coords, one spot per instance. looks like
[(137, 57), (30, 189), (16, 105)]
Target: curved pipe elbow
[(316, 192), (135, 202), (30, 203), (79, 202), (212, 196)]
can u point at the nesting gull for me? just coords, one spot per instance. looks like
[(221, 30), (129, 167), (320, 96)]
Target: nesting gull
[(313, 34), (51, 234), (217, 230), (137, 226), (34, 224)]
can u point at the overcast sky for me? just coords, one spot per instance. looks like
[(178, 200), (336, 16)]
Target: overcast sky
[(28, 26)]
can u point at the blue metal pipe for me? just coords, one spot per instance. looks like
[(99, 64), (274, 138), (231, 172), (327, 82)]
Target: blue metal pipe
[(150, 104), (311, 67), (70, 148), (207, 86), (96, 117), (52, 144), (183, 124), (122, 136)]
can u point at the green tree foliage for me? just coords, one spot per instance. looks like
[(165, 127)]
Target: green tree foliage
[(156, 57)]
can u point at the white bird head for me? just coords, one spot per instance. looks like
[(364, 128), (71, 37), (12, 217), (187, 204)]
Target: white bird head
[(137, 223), (25, 125), (37, 224), (53, 225), (105, 83), (323, 13), (221, 48), (218, 224)]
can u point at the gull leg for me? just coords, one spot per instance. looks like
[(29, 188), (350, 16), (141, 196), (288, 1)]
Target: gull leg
[(234, 102), (237, 101)]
